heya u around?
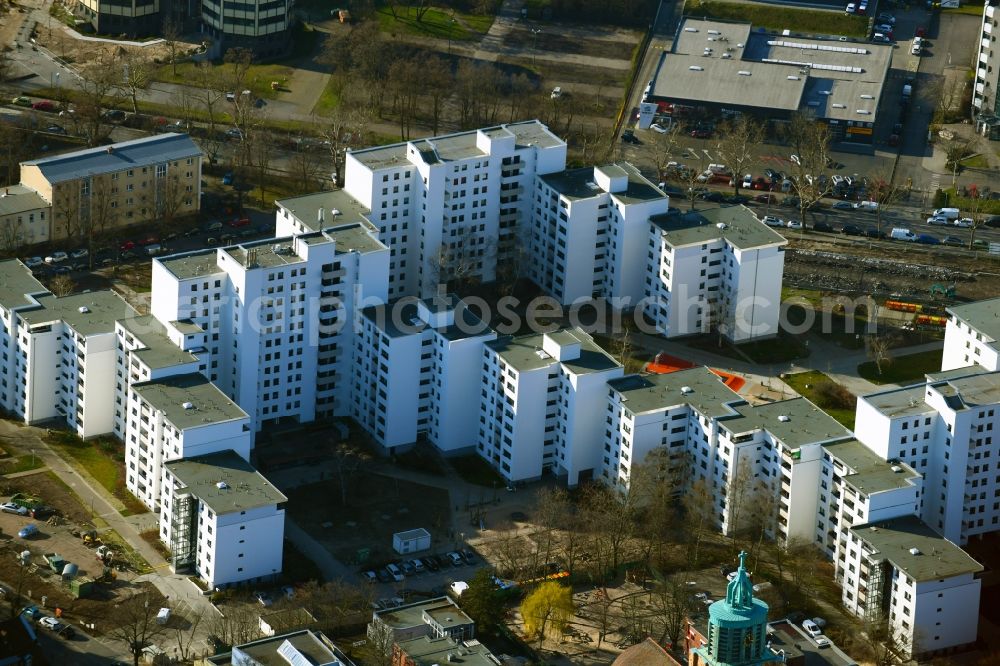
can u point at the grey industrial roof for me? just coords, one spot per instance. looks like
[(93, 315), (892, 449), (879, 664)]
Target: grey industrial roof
[(868, 473), (225, 482), (101, 310), (982, 316), (412, 615), (200, 263), (429, 651), (936, 558), (805, 424), (313, 645), (20, 199), (306, 208), (160, 351), (832, 77), (525, 353), (653, 392), (116, 157), (16, 280), (580, 183), (208, 404), (742, 228), (461, 145), (399, 318)]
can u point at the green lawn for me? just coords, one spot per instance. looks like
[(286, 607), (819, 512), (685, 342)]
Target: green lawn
[(816, 381), (474, 469), (20, 464), (100, 459), (330, 99), (259, 77), (976, 162), (436, 23), (903, 369), (775, 17)]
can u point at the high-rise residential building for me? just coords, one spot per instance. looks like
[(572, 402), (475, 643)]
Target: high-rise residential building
[(19, 290), (971, 335), (277, 316), (263, 26), (987, 83), (543, 402), (588, 233), (417, 373), (714, 269), (152, 179), (454, 206)]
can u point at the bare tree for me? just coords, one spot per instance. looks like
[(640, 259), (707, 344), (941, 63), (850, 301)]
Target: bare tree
[(610, 519), (406, 83), (880, 350), (739, 489), (663, 148), (974, 208), (345, 460), (171, 34), (737, 145), (133, 622), (237, 624), (672, 602), (11, 235), (211, 91), (810, 141), (304, 169), (98, 84), (185, 636), (886, 644), (884, 194), (136, 75), (62, 285), (699, 507), (957, 149)]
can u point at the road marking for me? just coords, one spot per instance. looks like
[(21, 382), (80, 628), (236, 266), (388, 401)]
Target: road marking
[(935, 182), (708, 155)]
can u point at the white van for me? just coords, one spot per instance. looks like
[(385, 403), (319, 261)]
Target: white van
[(866, 205), (946, 213), (917, 46), (903, 234), (394, 571)]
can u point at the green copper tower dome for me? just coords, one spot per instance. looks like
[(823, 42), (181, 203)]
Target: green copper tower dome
[(737, 626)]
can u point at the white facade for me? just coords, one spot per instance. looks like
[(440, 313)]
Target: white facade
[(971, 334), (417, 373), (543, 401), (718, 268), (987, 83), (18, 290), (223, 517), (589, 229), (451, 206), (277, 316)]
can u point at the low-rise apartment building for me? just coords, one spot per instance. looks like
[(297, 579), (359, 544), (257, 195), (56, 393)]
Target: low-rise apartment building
[(417, 374), (222, 519), (588, 230), (155, 178), (25, 218), (542, 402), (926, 587), (296, 647), (715, 269), (971, 335)]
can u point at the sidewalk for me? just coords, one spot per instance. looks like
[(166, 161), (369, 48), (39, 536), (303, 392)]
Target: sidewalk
[(171, 586)]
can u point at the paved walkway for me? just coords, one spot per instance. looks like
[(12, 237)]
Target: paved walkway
[(175, 587)]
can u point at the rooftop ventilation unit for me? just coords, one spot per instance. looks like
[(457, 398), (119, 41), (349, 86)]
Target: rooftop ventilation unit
[(188, 405), (222, 485), (825, 92), (743, 72), (726, 56), (864, 112), (686, 389), (792, 78), (720, 225), (867, 97), (915, 551), (696, 68), (784, 418), (690, 29), (83, 309), (714, 32), (896, 468), (839, 106)]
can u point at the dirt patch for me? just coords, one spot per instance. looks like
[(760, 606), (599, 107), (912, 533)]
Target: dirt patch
[(51, 491), (555, 41), (381, 507)]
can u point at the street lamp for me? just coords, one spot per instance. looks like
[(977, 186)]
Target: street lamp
[(534, 43), (451, 27)]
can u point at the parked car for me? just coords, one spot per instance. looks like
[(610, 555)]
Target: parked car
[(965, 222), (952, 240), (748, 181), (701, 134), (468, 556), (737, 199), (227, 179), (811, 628), (395, 572), (456, 559), (843, 205), (79, 253), (772, 221), (33, 262), (234, 133), (407, 567), (417, 565), (851, 8), (51, 623), (55, 129), (823, 227), (822, 641), (430, 563), (556, 93), (765, 198), (793, 224), (115, 115), (927, 239), (32, 613), (852, 230), (715, 197), (659, 129), (56, 257), (10, 507), (44, 105), (21, 100), (872, 232), (239, 222), (28, 531), (628, 136), (369, 577), (383, 575), (937, 220), (126, 245)]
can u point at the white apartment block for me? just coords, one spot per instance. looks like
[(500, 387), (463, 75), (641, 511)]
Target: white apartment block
[(19, 290), (588, 231), (451, 206), (971, 335), (716, 268), (945, 430), (223, 519), (177, 417), (987, 85), (927, 587), (543, 400), (417, 373), (277, 316), (62, 359)]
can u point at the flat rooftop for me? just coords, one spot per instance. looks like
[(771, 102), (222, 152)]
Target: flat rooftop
[(581, 184), (459, 146), (90, 313), (359, 237), (400, 318), (269, 253), (412, 615), (868, 473), (160, 351), (208, 404), (306, 209), (16, 199), (116, 157), (795, 422), (643, 393), (894, 403), (936, 557), (313, 646), (200, 263), (982, 316), (981, 387), (224, 482), (731, 64), (427, 651), (741, 227), (16, 280), (525, 353)]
